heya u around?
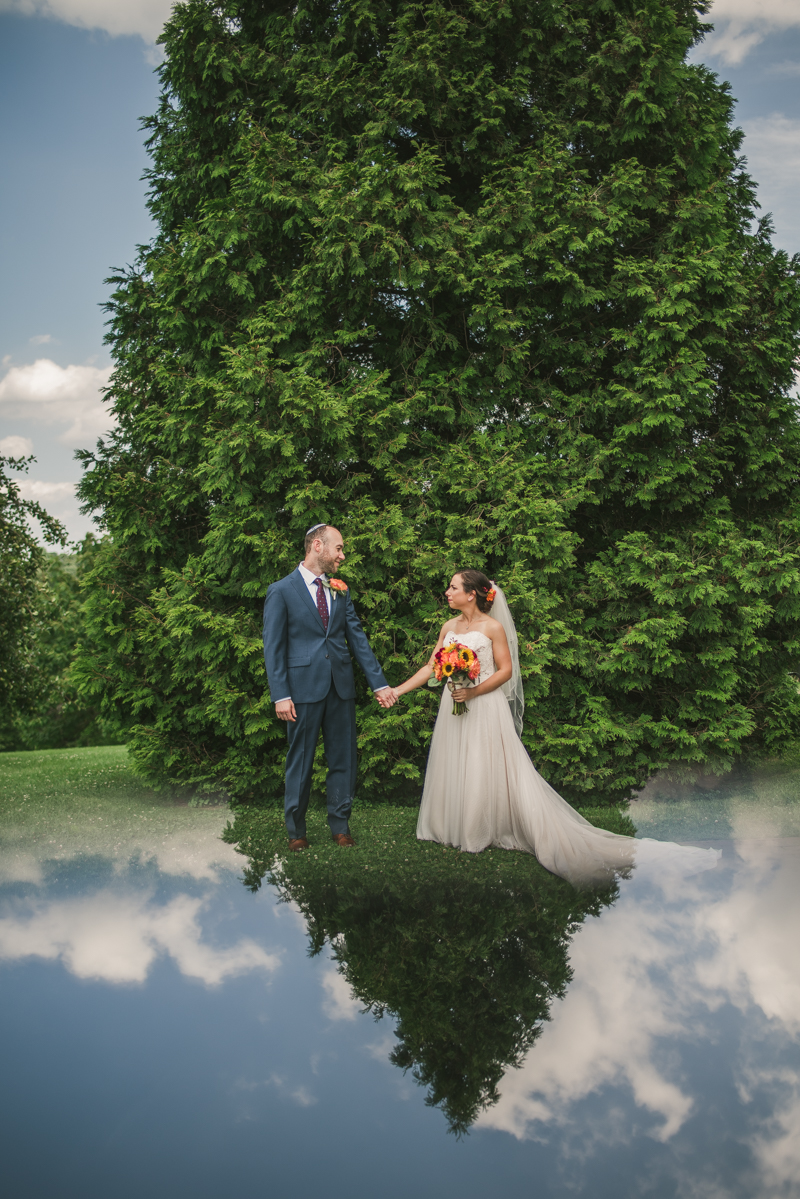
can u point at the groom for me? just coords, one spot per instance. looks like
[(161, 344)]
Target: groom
[(309, 626)]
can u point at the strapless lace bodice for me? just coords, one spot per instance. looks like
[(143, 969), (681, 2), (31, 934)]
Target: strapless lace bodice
[(481, 644)]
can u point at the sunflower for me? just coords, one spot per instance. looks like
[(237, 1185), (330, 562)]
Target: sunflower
[(448, 669)]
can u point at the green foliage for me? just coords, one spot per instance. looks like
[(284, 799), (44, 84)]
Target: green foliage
[(466, 951), (21, 561), (58, 716), (475, 282)]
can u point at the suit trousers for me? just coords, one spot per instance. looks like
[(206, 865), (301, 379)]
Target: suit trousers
[(337, 719)]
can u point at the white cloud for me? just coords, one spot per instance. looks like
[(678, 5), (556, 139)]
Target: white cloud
[(59, 500), (772, 147), (117, 938), (50, 394), (40, 339), (16, 447), (117, 17), (35, 489), (739, 25)]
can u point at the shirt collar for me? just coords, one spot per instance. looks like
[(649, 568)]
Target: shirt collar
[(308, 576)]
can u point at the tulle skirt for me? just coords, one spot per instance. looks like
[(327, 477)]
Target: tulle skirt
[(482, 789)]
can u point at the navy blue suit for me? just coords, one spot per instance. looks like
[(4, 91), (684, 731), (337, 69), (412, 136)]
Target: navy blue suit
[(314, 668)]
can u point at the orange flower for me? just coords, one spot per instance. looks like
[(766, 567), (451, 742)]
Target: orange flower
[(338, 584)]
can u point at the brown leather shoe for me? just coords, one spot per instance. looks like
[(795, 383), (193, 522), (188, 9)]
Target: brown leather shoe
[(298, 843), (343, 839)]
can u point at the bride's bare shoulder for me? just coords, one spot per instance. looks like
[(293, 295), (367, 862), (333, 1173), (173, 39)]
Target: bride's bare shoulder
[(493, 628)]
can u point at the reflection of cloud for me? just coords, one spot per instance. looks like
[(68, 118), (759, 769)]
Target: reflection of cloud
[(604, 1032), (117, 937), (298, 1094), (739, 25), (661, 962), (754, 963), (44, 391), (778, 1155), (380, 1050), (338, 1003), (145, 17), (20, 867)]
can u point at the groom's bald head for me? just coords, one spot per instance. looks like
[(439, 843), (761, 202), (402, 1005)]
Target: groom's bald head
[(319, 533)]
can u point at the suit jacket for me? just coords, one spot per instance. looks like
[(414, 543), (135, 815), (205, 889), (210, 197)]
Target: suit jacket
[(301, 658)]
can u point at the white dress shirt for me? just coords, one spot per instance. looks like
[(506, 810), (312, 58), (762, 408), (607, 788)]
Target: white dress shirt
[(308, 579)]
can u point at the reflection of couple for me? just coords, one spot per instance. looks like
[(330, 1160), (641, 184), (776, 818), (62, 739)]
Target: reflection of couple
[(481, 788)]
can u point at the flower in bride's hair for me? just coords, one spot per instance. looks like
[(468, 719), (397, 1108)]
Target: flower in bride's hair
[(490, 594)]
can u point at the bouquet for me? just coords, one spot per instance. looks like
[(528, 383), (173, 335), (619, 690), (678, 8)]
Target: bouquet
[(458, 666)]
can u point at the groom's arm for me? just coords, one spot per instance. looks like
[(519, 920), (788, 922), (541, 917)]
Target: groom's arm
[(360, 648), (275, 643)]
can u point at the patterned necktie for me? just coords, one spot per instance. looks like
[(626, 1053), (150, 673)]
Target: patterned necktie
[(322, 604)]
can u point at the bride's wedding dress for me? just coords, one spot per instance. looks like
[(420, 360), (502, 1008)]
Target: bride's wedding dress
[(482, 789)]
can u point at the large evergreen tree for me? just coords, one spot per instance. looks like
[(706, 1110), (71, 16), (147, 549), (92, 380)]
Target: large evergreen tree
[(476, 281)]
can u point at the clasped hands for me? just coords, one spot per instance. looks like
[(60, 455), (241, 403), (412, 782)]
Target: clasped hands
[(387, 697)]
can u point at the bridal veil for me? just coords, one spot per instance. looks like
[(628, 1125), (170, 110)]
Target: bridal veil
[(512, 690)]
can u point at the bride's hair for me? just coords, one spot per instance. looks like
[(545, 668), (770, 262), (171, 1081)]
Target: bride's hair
[(475, 580)]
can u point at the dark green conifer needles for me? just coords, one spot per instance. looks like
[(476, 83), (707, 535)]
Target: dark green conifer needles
[(473, 280)]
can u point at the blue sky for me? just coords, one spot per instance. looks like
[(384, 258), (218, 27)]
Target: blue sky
[(76, 76)]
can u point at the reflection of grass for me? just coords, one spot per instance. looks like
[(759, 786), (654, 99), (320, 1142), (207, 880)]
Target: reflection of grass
[(43, 783), (56, 804), (751, 801)]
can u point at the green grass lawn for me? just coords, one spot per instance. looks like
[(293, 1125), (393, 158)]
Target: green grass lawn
[(386, 850), (90, 799)]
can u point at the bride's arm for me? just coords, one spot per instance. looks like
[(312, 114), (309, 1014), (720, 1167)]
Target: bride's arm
[(424, 673), (502, 661)]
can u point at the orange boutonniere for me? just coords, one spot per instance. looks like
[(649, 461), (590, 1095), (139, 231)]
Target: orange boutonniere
[(334, 585)]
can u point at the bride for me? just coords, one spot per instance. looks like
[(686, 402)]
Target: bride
[(481, 788)]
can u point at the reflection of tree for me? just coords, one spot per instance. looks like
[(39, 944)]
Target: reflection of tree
[(466, 962)]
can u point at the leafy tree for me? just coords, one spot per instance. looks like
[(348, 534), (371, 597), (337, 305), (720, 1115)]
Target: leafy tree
[(21, 559), (476, 281), (57, 716)]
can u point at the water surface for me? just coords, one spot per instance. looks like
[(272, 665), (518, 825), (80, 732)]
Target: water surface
[(168, 1034)]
